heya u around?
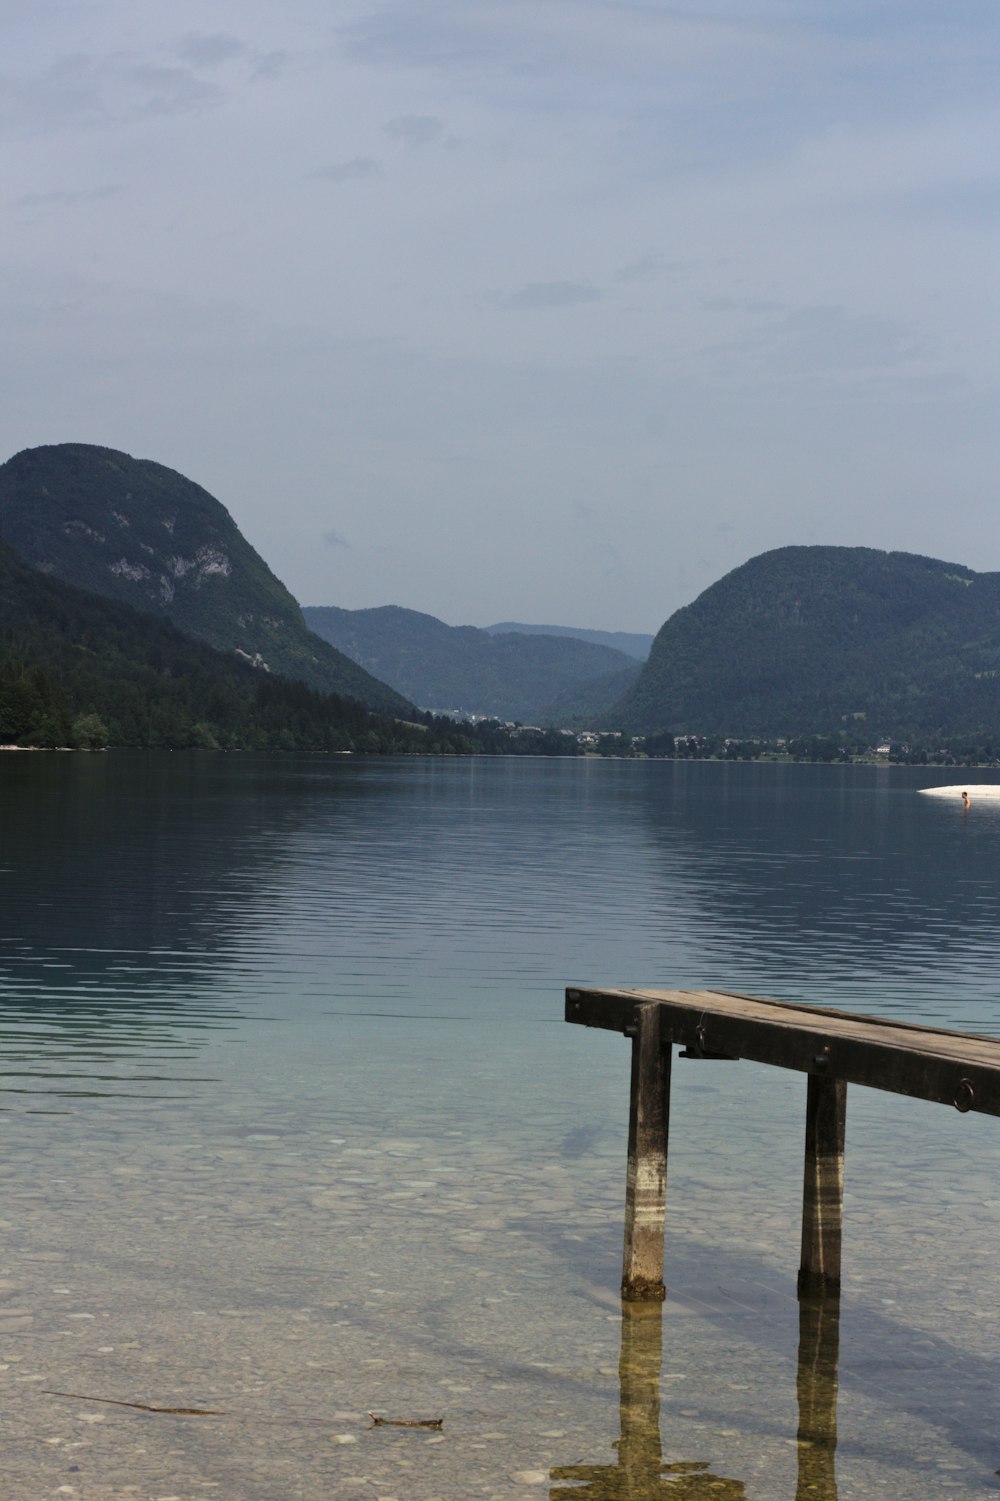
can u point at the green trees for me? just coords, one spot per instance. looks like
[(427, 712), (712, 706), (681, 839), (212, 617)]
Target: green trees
[(89, 732), (815, 641), (33, 707), (76, 669)]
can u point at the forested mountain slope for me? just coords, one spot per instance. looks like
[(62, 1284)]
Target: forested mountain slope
[(77, 669), (585, 706), (816, 639)]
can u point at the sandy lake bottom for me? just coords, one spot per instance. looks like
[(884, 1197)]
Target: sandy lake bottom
[(295, 1281)]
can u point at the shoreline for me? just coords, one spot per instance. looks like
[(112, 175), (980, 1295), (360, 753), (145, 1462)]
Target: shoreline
[(89, 749)]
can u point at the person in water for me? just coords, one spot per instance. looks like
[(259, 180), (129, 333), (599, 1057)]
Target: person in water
[(966, 799)]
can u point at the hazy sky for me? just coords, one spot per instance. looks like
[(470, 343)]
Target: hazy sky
[(552, 310)]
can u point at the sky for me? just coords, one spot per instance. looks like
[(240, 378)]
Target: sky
[(516, 309)]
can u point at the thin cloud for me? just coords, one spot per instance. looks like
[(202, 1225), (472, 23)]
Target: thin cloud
[(742, 305), (648, 267), (171, 91), (416, 130), (829, 340), (67, 198), (355, 170), (335, 539), (81, 92), (521, 38), (270, 65), (546, 294), (204, 51)]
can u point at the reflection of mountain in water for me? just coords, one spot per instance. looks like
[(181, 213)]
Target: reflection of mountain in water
[(836, 884), (146, 898), (122, 880)]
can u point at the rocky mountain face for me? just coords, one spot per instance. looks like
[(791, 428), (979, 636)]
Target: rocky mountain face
[(135, 531)]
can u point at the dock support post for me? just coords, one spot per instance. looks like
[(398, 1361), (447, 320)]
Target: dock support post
[(646, 1189), (823, 1188)]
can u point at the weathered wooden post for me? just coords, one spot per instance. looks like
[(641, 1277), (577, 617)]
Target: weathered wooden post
[(646, 1185), (823, 1188)]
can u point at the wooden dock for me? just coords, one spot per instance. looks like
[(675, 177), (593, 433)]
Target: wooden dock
[(833, 1048)]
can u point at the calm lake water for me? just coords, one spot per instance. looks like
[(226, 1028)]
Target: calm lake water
[(294, 1131)]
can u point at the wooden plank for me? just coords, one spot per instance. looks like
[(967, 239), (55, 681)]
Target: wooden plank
[(930, 1063), (823, 1188), (646, 1184)]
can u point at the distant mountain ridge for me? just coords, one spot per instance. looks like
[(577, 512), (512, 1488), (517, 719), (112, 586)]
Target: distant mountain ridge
[(818, 639), (584, 707), (446, 667), (632, 643), (136, 531)]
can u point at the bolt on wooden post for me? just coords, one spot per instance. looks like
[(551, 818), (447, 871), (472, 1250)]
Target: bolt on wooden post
[(646, 1184)]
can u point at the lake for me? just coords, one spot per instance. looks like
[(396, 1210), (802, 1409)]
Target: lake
[(294, 1131)]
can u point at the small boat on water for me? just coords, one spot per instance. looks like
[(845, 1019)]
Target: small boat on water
[(967, 791)]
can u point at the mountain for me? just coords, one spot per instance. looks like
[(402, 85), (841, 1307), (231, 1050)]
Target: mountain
[(813, 640), (78, 669), (135, 531), (632, 643), (585, 706), (461, 667)]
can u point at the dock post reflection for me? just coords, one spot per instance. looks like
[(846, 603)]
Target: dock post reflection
[(640, 1473), (817, 1383)]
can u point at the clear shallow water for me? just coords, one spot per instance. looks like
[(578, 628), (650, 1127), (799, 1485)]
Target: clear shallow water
[(294, 1130)]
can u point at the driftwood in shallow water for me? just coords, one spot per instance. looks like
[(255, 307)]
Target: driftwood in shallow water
[(176, 1412), (377, 1422)]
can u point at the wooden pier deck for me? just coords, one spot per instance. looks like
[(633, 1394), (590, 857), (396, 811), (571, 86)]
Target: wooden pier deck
[(833, 1048)]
